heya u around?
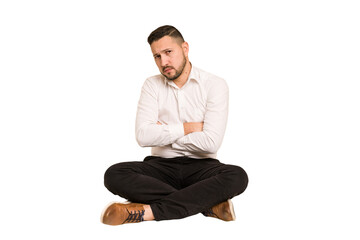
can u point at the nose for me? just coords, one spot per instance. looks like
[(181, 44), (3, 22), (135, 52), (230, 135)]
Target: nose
[(164, 61)]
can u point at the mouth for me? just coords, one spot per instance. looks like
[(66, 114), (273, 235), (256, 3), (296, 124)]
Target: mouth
[(167, 69)]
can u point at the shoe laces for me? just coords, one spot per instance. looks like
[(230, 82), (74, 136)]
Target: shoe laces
[(135, 216)]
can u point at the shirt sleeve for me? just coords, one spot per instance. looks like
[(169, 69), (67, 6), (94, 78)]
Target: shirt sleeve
[(215, 120), (148, 132)]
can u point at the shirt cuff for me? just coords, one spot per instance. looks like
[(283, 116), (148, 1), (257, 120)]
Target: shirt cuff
[(179, 144), (176, 131)]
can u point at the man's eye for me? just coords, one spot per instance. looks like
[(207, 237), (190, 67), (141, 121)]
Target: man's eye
[(157, 56), (168, 51)]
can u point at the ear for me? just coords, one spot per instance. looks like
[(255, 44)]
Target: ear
[(185, 47)]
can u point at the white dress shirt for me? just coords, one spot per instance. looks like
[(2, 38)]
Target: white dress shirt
[(203, 98)]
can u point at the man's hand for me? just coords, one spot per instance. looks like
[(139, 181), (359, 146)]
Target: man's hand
[(193, 127)]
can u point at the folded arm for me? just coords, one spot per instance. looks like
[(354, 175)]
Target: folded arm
[(205, 137), (213, 129), (149, 133)]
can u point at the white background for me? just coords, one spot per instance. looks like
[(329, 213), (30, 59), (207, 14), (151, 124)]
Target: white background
[(71, 74)]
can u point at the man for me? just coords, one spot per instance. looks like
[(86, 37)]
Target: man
[(182, 115)]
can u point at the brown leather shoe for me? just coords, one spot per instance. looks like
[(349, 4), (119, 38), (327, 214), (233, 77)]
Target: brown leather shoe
[(120, 213), (223, 211)]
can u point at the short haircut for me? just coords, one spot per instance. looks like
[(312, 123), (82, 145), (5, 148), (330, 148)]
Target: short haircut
[(163, 31)]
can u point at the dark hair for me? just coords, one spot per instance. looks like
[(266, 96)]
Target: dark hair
[(163, 31)]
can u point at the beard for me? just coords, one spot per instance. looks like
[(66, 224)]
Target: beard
[(178, 72)]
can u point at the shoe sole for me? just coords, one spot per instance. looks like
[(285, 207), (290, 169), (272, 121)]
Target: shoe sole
[(232, 212)]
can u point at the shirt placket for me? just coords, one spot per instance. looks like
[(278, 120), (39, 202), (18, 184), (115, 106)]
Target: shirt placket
[(181, 105)]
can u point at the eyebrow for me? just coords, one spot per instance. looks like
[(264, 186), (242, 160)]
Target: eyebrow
[(166, 49)]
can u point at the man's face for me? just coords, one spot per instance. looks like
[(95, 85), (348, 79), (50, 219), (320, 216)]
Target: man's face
[(170, 56)]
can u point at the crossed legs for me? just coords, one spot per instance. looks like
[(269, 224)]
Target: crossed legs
[(177, 187)]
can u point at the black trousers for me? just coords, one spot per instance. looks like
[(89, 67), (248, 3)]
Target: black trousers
[(176, 187)]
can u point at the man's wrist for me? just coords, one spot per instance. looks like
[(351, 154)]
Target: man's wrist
[(191, 127)]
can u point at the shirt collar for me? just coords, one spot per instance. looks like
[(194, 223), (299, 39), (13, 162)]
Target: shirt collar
[(194, 74)]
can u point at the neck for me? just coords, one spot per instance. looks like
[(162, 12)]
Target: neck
[(181, 80)]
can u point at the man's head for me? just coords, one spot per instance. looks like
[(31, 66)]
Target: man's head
[(163, 31), (170, 51)]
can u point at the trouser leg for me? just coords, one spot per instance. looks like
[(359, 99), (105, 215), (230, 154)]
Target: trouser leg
[(142, 182), (207, 182), (176, 188)]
